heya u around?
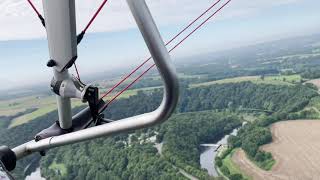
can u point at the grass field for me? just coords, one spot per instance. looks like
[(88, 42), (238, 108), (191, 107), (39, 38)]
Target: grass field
[(39, 112), (44, 105), (58, 168), (276, 80), (233, 168), (291, 78), (249, 117), (14, 106)]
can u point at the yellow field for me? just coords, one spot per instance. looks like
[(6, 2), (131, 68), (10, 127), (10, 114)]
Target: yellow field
[(295, 148)]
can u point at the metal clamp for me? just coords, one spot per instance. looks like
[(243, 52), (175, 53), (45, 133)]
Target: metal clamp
[(70, 88)]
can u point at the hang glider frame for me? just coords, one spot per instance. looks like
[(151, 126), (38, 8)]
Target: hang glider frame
[(62, 42)]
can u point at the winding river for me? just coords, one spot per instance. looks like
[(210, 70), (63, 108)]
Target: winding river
[(208, 155)]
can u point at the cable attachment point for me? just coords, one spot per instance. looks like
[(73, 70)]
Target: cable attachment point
[(70, 88), (74, 88), (92, 96), (101, 120), (43, 22), (80, 37)]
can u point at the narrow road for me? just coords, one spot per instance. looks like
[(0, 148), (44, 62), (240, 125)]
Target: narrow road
[(183, 172), (187, 175)]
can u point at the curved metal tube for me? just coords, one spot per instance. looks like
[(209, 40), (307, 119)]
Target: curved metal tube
[(162, 60)]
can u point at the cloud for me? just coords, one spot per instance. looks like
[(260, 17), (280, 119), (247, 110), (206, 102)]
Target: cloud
[(20, 22)]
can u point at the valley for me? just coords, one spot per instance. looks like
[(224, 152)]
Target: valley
[(263, 85)]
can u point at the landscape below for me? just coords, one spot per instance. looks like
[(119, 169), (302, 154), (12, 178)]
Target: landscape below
[(258, 85)]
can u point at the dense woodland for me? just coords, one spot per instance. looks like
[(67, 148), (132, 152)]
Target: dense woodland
[(108, 159), (182, 135), (134, 157), (24, 133)]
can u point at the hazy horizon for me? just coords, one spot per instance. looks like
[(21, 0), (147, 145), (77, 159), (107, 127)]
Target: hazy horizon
[(116, 43)]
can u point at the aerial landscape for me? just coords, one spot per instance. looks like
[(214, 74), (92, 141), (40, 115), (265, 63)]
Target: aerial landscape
[(269, 101), (241, 102)]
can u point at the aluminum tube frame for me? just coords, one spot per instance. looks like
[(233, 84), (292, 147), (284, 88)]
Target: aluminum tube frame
[(168, 74), (62, 43), (64, 104)]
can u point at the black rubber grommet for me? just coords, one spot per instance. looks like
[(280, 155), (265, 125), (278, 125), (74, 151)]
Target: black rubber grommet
[(8, 158), (51, 63)]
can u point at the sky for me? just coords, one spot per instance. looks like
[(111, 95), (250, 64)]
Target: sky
[(113, 40)]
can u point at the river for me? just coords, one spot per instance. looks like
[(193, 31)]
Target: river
[(36, 175), (208, 155)]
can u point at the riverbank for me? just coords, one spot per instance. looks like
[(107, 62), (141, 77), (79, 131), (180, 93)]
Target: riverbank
[(227, 168), (35, 175), (207, 157)]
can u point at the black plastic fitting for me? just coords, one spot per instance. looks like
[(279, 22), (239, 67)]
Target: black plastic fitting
[(8, 158)]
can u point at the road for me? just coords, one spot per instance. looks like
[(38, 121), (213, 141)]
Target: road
[(183, 172)]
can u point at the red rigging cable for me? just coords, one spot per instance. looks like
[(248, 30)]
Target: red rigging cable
[(81, 35), (198, 27), (90, 22), (34, 8), (95, 15), (37, 12), (153, 65), (194, 21), (169, 42), (126, 88), (125, 78)]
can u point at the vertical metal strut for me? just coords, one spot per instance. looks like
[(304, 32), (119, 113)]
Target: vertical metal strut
[(62, 42)]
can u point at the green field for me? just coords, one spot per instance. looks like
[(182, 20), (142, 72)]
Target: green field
[(59, 168), (276, 80), (44, 105), (14, 106), (39, 112), (183, 76), (233, 168), (249, 117)]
